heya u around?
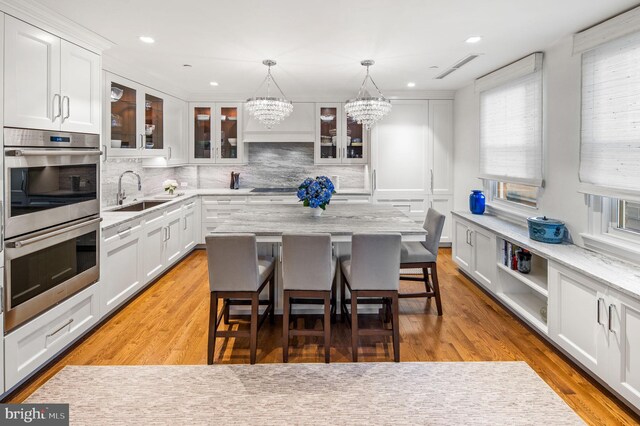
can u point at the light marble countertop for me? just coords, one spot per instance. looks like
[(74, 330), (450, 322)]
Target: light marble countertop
[(111, 218), (616, 273), (338, 220)]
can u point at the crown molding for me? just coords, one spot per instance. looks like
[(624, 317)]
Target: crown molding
[(210, 96), (51, 21)]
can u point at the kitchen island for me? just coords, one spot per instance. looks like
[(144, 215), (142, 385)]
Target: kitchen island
[(341, 221), (270, 222)]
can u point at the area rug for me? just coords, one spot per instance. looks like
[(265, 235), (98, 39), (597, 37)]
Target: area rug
[(446, 393)]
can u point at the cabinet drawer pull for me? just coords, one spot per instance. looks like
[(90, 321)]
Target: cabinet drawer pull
[(600, 299), (124, 231), (60, 328)]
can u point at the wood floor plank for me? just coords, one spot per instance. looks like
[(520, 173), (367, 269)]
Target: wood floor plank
[(167, 324)]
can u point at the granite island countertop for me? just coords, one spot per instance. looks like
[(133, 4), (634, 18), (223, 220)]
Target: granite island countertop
[(616, 273), (111, 218), (340, 220)]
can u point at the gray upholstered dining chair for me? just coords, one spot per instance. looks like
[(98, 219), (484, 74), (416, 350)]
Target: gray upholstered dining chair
[(308, 272), (237, 275), (373, 273), (423, 255)]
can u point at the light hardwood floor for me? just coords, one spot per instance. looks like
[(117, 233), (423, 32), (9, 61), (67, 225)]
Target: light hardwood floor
[(167, 324)]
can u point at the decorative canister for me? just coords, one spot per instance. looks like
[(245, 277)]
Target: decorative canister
[(476, 201), (546, 230), (524, 261)]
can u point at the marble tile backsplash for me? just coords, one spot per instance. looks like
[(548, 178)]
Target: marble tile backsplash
[(275, 165), (269, 165)]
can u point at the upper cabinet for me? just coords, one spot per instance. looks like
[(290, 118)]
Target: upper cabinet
[(339, 138), (134, 119), (216, 133), (49, 84)]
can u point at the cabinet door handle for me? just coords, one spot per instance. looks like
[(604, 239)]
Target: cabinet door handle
[(375, 180), (104, 152), (141, 141), (431, 171), (470, 237), (169, 154), (185, 224), (65, 116), (166, 234), (600, 299), (345, 152), (59, 104), (610, 318), (56, 331)]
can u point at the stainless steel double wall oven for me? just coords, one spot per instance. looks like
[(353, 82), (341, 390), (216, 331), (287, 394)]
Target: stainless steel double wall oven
[(51, 217)]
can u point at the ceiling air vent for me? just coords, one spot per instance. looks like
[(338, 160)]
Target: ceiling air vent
[(462, 62)]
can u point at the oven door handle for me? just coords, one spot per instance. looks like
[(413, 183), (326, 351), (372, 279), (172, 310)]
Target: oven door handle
[(38, 152), (22, 243)]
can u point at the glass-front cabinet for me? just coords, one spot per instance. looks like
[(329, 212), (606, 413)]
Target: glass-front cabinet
[(216, 133), (134, 122), (339, 138)]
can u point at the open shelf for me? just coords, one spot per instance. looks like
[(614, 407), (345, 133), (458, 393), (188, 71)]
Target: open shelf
[(528, 305), (536, 279)]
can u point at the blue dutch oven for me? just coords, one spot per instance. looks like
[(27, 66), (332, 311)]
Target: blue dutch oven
[(546, 230)]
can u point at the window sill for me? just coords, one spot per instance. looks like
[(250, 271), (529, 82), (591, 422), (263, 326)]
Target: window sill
[(510, 214), (612, 246)]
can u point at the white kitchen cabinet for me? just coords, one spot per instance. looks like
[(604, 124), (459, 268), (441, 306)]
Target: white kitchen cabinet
[(80, 89), (176, 132), (339, 138), (191, 225), (173, 242), (31, 345), (474, 250), (121, 254), (49, 83), (155, 234), (216, 133), (400, 152), (624, 341), (444, 205), (441, 143), (577, 315), (462, 249), (133, 119)]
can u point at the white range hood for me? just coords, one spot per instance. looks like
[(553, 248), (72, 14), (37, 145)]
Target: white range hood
[(298, 127)]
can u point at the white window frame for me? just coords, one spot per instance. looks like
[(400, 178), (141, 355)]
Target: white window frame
[(604, 236), (509, 210)]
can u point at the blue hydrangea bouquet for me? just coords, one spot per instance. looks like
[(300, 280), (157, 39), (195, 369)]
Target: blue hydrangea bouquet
[(316, 193)]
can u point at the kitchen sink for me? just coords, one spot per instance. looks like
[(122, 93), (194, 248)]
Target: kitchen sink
[(140, 206)]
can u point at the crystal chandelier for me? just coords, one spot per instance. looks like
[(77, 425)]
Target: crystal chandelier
[(367, 109), (269, 110)]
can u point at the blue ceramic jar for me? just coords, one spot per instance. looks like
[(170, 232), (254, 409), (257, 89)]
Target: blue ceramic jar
[(476, 201)]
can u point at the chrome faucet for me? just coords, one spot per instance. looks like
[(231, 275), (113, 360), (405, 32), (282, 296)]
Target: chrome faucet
[(121, 196)]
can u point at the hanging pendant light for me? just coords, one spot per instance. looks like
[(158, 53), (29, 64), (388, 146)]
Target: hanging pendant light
[(269, 110), (367, 109)]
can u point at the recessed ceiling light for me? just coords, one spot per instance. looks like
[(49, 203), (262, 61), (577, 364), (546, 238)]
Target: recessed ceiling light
[(473, 39), (411, 84), (147, 39), (187, 65), (213, 83), (434, 67)]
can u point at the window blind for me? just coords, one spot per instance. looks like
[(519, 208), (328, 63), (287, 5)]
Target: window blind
[(610, 139), (511, 130)]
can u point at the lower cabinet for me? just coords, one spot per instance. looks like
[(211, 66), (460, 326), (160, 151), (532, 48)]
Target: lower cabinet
[(474, 250), (172, 248), (153, 246), (34, 343), (121, 264), (191, 228), (598, 326)]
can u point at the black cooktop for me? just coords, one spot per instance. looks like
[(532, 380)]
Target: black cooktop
[(274, 190)]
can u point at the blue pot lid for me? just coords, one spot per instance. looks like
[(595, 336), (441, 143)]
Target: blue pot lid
[(545, 220)]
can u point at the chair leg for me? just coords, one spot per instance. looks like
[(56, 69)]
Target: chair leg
[(226, 311), (343, 297), (395, 327), (272, 298), (253, 344), (436, 287), (354, 326), (333, 300), (425, 275), (327, 327), (285, 327), (213, 315)]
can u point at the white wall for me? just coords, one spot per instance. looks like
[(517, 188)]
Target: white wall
[(561, 108)]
